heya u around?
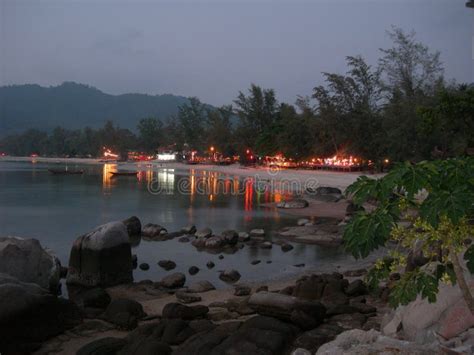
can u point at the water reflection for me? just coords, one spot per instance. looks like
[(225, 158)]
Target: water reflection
[(107, 180)]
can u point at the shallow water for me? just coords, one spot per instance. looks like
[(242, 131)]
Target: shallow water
[(56, 209)]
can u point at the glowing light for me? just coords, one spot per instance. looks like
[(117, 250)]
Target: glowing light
[(386, 161), (166, 157), (212, 149)]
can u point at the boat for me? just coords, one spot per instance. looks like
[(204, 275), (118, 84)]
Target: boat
[(124, 173), (65, 172)]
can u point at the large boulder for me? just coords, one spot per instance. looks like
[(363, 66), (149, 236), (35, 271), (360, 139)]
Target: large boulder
[(229, 276), (124, 313), (305, 314), (180, 311), (312, 339), (326, 194), (175, 280), (102, 257), (26, 260), (29, 315), (156, 232)]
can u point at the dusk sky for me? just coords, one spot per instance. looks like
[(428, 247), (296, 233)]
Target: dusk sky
[(213, 49)]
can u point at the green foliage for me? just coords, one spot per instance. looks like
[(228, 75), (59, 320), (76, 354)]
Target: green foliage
[(434, 199)]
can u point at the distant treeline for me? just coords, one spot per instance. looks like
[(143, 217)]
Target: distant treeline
[(401, 109)]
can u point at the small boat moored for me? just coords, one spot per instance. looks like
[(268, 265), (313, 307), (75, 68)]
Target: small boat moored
[(124, 173)]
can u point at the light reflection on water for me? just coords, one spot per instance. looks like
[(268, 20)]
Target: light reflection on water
[(57, 209)]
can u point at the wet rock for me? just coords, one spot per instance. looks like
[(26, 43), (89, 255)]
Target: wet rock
[(144, 266), (293, 204), (96, 297), (309, 287), (179, 311), (134, 226), (204, 233), (124, 313), (257, 234), (356, 288), (175, 280), (326, 194), (302, 222), (242, 290), (312, 339), (266, 245), (230, 237), (103, 346), (305, 314), (244, 237), (262, 288), (26, 260), (326, 235), (29, 315), (221, 257), (189, 229), (167, 264), (134, 261), (230, 276), (185, 297), (348, 321), (201, 286), (102, 257), (269, 261), (286, 247), (153, 231), (255, 262), (300, 265), (184, 239), (210, 264), (193, 270)]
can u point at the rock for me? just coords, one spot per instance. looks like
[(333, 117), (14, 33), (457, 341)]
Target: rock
[(185, 297), (184, 239), (326, 194), (349, 321), (222, 314), (63, 272), (134, 261), (230, 237), (312, 339), (167, 264), (257, 233), (293, 204), (153, 338), (262, 288), (326, 235), (193, 270), (341, 309), (242, 290), (201, 286), (204, 233), (352, 209), (96, 297), (268, 261), (153, 231), (255, 262), (179, 311), (364, 308), (305, 314), (29, 315), (189, 229), (309, 287), (221, 257), (103, 346), (421, 320), (356, 288), (244, 237), (144, 266), (355, 273), (302, 222), (300, 265), (300, 351), (102, 257), (124, 313), (133, 225), (266, 245), (356, 342), (230, 276), (286, 247), (26, 260), (210, 264), (175, 280)]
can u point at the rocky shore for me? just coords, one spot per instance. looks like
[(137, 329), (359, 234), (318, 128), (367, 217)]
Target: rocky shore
[(329, 312)]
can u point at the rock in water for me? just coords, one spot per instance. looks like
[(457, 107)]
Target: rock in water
[(124, 313), (204, 233), (201, 286), (102, 257), (193, 270), (230, 276), (167, 264), (298, 203), (189, 229), (26, 260), (175, 280), (134, 226), (153, 231), (29, 315)]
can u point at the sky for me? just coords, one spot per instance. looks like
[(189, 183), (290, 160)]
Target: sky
[(212, 49)]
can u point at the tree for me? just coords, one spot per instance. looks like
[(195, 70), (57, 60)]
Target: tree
[(219, 130), (192, 122), (149, 134), (434, 199)]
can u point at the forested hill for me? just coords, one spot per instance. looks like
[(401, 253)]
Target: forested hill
[(73, 105)]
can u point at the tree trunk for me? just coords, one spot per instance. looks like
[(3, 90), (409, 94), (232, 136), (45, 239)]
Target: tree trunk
[(466, 292)]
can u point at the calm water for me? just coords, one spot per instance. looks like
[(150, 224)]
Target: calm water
[(57, 209)]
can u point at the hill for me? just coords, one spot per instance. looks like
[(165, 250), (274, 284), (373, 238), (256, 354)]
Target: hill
[(73, 105)]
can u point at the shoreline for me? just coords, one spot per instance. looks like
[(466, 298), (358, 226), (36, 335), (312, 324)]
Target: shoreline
[(337, 179)]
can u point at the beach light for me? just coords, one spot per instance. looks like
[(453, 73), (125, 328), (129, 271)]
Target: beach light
[(212, 148)]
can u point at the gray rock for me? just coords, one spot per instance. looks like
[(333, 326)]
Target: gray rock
[(193, 270), (312, 339), (124, 313), (293, 204), (266, 245), (230, 276), (257, 233), (167, 264), (210, 264), (302, 222), (180, 311), (201, 286), (230, 237), (134, 226), (186, 297), (286, 247), (103, 346), (204, 233), (102, 257), (184, 239), (326, 194), (244, 237), (26, 260), (189, 229), (356, 288), (242, 290), (152, 231), (144, 266), (175, 280), (96, 297), (255, 262)]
